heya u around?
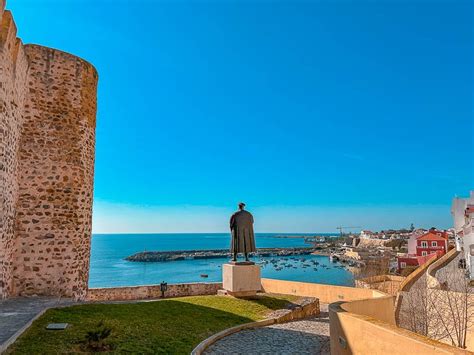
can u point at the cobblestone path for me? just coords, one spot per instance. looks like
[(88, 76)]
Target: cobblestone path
[(307, 336)]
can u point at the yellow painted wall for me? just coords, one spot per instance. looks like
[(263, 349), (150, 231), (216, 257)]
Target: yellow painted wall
[(360, 334), (381, 308), (325, 293)]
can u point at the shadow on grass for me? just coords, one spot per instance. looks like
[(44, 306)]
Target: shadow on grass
[(273, 303), (164, 327)]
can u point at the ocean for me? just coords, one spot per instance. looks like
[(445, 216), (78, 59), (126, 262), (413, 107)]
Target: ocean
[(109, 269)]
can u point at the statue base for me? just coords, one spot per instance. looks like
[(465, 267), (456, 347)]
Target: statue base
[(241, 262), (241, 280)]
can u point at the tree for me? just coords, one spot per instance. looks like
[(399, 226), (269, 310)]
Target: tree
[(396, 244), (365, 276), (414, 314), (452, 306), (373, 267), (445, 312)]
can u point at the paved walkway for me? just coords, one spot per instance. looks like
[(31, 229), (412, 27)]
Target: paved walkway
[(16, 313), (307, 336)]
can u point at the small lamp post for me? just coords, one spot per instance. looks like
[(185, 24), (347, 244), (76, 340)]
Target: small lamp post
[(163, 288)]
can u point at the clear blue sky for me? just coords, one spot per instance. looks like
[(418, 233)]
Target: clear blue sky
[(315, 113)]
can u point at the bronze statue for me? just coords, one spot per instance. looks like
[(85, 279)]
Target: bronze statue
[(243, 238)]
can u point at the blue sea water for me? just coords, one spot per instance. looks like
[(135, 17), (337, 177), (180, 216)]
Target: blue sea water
[(109, 267)]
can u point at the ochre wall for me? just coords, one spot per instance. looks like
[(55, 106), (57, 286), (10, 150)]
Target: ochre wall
[(325, 293), (47, 138), (381, 308), (353, 333), (350, 322)]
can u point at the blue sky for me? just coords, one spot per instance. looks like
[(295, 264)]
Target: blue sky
[(315, 113)]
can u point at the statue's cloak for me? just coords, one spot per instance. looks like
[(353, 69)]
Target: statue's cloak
[(243, 238)]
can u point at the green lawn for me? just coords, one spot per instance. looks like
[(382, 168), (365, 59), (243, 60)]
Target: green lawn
[(173, 326)]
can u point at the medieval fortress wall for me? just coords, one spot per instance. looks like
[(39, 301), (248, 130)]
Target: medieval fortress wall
[(47, 138)]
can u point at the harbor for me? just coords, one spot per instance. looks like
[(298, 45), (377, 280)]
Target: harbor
[(283, 258)]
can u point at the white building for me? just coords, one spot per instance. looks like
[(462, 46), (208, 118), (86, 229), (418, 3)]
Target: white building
[(463, 216), (412, 240), (412, 244), (367, 234)]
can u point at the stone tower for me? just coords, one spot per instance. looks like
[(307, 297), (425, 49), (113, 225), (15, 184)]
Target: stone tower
[(47, 142)]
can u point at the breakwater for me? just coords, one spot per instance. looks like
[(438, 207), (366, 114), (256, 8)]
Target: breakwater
[(160, 256)]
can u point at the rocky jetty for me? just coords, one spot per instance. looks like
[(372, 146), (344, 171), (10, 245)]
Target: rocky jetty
[(156, 256)]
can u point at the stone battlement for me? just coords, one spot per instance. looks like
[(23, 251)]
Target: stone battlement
[(47, 144)]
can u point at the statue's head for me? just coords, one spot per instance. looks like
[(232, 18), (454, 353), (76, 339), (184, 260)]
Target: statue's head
[(241, 206)]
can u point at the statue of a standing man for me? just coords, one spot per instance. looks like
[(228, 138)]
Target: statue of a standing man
[(243, 239)]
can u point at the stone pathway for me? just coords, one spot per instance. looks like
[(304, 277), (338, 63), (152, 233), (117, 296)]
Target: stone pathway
[(307, 336), (17, 313)]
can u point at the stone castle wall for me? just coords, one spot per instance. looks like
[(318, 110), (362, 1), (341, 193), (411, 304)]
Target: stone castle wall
[(13, 71), (152, 291), (47, 138)]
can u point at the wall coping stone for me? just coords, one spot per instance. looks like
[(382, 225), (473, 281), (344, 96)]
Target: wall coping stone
[(432, 281)]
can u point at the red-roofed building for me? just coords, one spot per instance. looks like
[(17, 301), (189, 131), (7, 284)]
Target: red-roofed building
[(427, 244), (411, 260), (432, 242)]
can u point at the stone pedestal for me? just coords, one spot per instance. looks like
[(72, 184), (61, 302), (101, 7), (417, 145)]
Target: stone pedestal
[(241, 280)]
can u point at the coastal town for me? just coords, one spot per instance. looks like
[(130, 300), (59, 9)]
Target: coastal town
[(353, 252), (392, 251), (408, 249)]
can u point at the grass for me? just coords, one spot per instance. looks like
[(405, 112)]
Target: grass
[(173, 326)]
